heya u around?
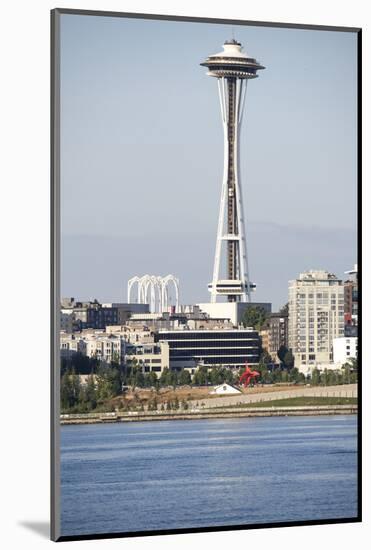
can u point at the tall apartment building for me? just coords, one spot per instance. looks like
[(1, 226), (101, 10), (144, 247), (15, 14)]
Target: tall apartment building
[(316, 317)]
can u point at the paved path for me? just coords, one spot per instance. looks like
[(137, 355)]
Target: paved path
[(348, 390)]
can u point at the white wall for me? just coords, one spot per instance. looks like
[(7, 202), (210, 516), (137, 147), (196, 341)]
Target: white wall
[(344, 349), (221, 310)]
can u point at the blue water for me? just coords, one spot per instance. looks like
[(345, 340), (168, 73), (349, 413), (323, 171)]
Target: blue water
[(184, 474)]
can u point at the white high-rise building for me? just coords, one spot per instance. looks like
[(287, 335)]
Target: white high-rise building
[(316, 317)]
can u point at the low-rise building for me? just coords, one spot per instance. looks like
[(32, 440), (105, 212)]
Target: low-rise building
[(231, 348), (105, 347), (67, 320), (232, 311), (344, 349), (70, 344), (93, 314), (150, 357), (125, 310), (225, 389), (133, 334)]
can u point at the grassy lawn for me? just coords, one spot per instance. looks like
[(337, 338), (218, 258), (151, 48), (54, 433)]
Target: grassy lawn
[(300, 402)]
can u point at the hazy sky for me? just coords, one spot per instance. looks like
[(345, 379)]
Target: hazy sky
[(142, 154)]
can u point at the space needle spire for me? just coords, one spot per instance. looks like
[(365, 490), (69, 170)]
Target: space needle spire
[(232, 68)]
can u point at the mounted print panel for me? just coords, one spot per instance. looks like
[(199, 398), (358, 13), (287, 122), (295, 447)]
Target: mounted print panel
[(205, 277)]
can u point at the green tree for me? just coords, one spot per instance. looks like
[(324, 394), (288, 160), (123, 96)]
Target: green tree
[(152, 379), (350, 370), (284, 309), (136, 378), (109, 382), (89, 395), (76, 387), (346, 373), (325, 377), (276, 375), (70, 390), (284, 376), (201, 376), (139, 381), (281, 353), (79, 364), (227, 375), (265, 359), (296, 376), (164, 378), (184, 377), (173, 378), (264, 373), (215, 376), (315, 377), (254, 316), (288, 359), (67, 399)]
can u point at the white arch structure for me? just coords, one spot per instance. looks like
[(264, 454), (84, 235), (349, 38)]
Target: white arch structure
[(154, 290)]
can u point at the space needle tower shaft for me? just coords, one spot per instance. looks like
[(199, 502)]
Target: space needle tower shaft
[(232, 68)]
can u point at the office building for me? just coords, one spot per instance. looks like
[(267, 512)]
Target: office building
[(231, 348), (148, 357)]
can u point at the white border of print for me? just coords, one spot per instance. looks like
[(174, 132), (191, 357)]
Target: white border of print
[(25, 298)]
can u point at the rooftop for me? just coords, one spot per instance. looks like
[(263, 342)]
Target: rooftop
[(317, 274)]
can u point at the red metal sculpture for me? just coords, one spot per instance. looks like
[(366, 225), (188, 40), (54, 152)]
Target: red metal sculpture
[(248, 375)]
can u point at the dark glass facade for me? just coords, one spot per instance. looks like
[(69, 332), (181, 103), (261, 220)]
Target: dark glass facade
[(228, 348), (100, 317)]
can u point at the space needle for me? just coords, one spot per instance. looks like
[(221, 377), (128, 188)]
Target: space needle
[(233, 69)]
